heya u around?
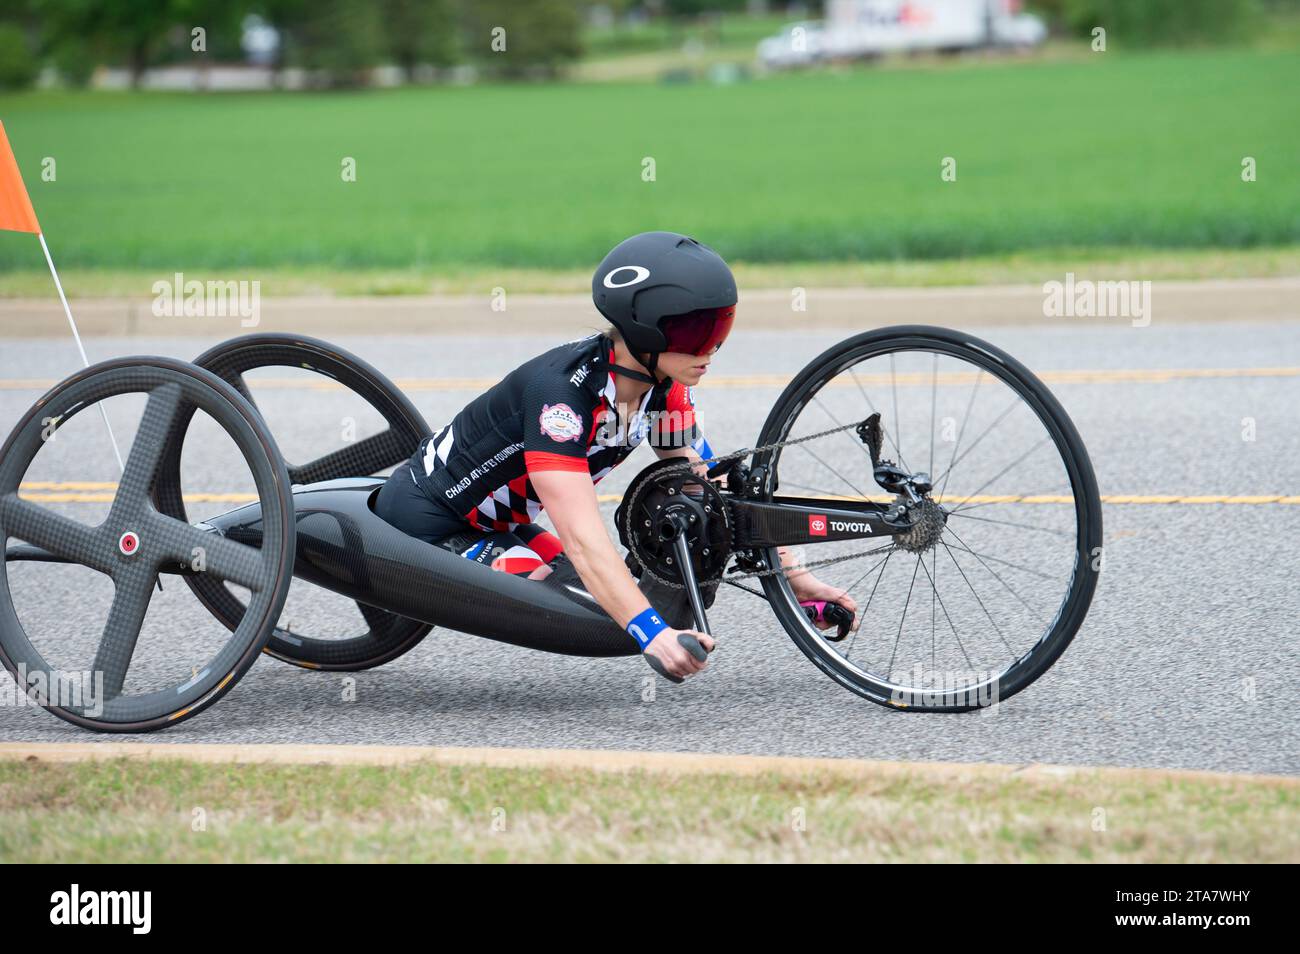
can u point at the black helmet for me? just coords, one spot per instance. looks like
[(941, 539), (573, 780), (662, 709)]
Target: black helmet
[(657, 275)]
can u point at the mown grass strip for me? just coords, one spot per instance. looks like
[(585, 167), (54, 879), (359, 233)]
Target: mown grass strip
[(134, 811)]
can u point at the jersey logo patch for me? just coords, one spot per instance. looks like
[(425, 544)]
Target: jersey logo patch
[(560, 423)]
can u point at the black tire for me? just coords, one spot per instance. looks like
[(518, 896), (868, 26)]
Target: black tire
[(158, 539), (388, 636), (1074, 457)]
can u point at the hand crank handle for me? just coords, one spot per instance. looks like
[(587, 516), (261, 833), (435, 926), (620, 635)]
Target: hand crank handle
[(682, 552)]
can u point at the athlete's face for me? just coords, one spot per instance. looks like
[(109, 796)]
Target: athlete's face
[(686, 368)]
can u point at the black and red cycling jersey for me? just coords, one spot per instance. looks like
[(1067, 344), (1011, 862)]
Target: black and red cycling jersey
[(554, 412)]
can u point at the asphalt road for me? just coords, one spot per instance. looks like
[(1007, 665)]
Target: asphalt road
[(1186, 660)]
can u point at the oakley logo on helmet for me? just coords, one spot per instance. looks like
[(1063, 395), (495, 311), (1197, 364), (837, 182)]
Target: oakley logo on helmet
[(639, 274)]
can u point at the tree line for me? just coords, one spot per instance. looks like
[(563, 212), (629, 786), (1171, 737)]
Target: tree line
[(337, 41)]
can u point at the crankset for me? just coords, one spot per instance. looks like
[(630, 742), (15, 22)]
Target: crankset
[(669, 507)]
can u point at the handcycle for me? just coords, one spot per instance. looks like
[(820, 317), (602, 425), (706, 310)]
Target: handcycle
[(994, 556)]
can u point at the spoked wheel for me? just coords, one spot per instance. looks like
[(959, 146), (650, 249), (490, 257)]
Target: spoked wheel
[(377, 636), (986, 591), (135, 541)]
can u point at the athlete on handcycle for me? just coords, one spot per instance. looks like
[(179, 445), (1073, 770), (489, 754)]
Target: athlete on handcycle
[(550, 430)]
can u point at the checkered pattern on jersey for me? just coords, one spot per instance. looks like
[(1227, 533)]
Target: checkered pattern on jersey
[(516, 502), (510, 505)]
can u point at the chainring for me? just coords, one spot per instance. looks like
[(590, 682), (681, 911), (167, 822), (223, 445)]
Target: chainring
[(660, 490)]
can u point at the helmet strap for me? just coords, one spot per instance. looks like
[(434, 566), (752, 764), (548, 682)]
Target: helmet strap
[(648, 364), (634, 374), (652, 364), (631, 372)]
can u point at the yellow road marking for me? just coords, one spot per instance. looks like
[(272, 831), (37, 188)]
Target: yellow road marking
[(50, 492), (107, 496), (69, 485), (27, 384), (1094, 376)]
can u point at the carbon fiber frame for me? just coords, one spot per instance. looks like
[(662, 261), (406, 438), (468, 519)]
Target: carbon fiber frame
[(345, 547)]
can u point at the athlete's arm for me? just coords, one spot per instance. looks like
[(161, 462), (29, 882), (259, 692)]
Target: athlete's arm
[(560, 424), (570, 498), (679, 434), (687, 453)]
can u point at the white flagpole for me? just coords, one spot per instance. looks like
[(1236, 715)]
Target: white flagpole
[(80, 347)]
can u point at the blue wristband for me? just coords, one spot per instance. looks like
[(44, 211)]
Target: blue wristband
[(646, 627)]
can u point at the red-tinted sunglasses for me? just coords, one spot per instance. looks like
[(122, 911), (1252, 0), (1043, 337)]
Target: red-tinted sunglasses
[(698, 332)]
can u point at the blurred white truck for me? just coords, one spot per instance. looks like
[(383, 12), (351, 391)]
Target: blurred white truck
[(856, 29)]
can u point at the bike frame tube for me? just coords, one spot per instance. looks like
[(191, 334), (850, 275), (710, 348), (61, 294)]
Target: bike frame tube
[(345, 547), (798, 521)]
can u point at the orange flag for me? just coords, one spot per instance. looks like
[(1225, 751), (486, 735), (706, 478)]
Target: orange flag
[(16, 212), (17, 215)]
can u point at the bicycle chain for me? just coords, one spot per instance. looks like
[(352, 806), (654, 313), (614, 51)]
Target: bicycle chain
[(689, 466)]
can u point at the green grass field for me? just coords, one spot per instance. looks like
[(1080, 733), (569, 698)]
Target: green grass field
[(1122, 150), (1024, 268), (127, 812)]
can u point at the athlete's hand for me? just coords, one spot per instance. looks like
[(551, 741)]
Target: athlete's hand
[(678, 653), (808, 589)]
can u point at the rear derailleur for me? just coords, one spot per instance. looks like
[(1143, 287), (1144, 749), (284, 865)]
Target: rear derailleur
[(912, 501)]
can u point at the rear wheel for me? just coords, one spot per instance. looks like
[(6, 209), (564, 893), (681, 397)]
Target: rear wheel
[(981, 604), (372, 637)]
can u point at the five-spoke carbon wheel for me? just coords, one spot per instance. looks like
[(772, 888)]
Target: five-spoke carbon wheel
[(986, 593), (136, 541), (379, 636)]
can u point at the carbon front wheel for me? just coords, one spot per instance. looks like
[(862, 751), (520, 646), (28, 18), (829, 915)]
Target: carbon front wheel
[(114, 677), (983, 599)]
